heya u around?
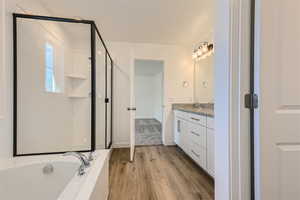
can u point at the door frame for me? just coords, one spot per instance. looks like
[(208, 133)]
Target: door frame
[(232, 82), (2, 55), (133, 103)]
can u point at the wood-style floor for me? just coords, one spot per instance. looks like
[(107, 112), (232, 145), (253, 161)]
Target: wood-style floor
[(158, 173)]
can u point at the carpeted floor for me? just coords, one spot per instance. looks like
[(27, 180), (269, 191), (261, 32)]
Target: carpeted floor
[(148, 132)]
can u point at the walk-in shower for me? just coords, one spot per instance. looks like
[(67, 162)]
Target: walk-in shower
[(62, 86)]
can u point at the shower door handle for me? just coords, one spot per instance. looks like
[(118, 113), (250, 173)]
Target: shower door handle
[(131, 109)]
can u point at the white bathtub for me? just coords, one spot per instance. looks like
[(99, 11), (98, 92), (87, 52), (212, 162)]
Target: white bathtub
[(23, 178)]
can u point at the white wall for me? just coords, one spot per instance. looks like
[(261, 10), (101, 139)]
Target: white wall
[(158, 97), (5, 139), (204, 80), (178, 67), (1, 57), (144, 96)]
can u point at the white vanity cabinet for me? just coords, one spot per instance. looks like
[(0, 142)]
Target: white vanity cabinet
[(194, 134)]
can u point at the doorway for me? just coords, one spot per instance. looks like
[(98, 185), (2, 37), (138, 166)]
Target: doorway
[(148, 90)]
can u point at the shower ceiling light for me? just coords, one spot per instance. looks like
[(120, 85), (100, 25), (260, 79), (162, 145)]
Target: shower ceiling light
[(204, 50)]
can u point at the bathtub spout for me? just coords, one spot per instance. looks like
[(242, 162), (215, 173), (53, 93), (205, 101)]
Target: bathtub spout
[(91, 157), (83, 160)]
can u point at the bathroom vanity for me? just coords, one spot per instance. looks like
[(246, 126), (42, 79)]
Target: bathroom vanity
[(194, 133)]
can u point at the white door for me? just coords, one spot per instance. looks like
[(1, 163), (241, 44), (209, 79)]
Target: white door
[(132, 110), (278, 86)]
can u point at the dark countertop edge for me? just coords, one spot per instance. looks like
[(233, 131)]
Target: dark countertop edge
[(193, 112)]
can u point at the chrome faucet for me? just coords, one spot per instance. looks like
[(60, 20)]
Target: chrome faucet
[(83, 159), (91, 157)]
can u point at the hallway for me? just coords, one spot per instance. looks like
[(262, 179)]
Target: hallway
[(158, 173), (148, 132)]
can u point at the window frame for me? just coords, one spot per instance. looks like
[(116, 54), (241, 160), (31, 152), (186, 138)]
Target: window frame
[(52, 87)]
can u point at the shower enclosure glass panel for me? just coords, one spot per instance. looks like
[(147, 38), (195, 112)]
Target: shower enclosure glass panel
[(109, 102), (53, 86), (100, 94)]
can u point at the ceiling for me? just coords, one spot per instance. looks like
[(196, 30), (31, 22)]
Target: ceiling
[(148, 67), (181, 22)]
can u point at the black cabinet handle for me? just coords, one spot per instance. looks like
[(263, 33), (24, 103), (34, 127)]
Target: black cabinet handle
[(131, 109), (195, 119)]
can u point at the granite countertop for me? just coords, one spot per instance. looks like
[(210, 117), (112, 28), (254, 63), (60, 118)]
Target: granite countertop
[(203, 109)]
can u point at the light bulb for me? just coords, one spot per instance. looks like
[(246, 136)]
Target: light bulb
[(199, 52), (194, 55), (205, 49)]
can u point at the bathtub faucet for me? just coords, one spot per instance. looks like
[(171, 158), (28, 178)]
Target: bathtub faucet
[(83, 159)]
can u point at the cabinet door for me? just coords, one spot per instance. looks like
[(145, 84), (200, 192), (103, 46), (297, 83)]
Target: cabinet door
[(197, 134), (180, 132), (210, 152), (184, 136), (198, 154), (177, 130)]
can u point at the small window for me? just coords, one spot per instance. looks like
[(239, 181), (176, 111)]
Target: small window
[(50, 82)]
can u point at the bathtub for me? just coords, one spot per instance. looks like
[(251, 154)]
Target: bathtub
[(24, 178)]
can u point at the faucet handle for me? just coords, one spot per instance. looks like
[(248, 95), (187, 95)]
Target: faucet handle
[(91, 156), (85, 159), (81, 170)]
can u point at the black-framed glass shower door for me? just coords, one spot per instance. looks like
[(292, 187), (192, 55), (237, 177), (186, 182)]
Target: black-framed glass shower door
[(104, 70), (109, 101), (55, 86)]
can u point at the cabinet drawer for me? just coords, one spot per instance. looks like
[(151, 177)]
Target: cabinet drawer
[(197, 119), (210, 123), (198, 154), (180, 114), (197, 134)]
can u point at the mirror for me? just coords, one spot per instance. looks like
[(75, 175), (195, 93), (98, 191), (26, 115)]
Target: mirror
[(204, 80)]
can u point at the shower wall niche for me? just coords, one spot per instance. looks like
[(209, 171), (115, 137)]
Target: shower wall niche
[(61, 100)]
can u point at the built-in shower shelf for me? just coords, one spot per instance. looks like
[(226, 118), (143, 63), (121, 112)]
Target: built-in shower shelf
[(77, 76), (77, 96)]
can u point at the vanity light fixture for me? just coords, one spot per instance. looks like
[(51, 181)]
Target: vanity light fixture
[(204, 50)]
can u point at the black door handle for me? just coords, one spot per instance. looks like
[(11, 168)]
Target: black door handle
[(133, 109)]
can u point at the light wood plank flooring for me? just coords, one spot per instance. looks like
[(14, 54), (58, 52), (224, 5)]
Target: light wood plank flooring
[(158, 173)]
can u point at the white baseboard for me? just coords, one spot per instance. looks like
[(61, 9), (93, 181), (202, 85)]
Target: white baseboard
[(169, 144), (120, 145), (127, 145)]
